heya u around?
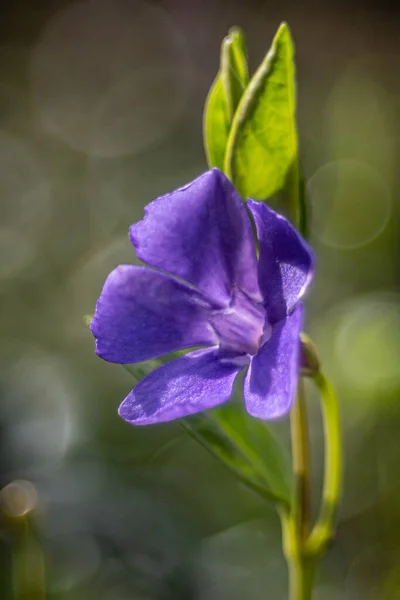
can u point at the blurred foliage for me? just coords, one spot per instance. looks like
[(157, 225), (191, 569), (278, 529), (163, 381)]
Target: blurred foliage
[(100, 112)]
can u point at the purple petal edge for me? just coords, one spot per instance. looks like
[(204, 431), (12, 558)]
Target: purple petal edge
[(143, 314), (270, 384), (184, 386)]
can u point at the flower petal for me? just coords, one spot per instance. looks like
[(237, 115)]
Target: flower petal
[(286, 261), (202, 234), (142, 314), (270, 383), (184, 386)]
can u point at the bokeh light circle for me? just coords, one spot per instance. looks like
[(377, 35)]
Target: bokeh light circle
[(350, 203), (39, 398), (18, 498), (367, 344), (25, 198), (110, 77)]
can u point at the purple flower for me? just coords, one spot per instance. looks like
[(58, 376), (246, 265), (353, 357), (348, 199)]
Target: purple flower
[(205, 287)]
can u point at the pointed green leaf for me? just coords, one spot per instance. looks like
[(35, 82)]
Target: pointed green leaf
[(234, 69), (247, 447), (216, 125), (224, 96), (262, 142)]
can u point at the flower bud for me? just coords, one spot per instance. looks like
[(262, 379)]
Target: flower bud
[(309, 363)]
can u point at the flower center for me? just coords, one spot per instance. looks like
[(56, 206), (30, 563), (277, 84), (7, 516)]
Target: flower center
[(242, 327)]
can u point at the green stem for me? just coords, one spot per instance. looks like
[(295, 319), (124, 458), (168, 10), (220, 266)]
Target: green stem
[(296, 524), (322, 532), (301, 462), (301, 579), (301, 568)]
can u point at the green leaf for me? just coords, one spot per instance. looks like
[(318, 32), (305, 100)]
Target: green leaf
[(247, 447), (262, 143), (215, 125), (234, 69), (224, 96)]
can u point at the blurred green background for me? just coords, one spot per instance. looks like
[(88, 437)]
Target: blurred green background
[(100, 112)]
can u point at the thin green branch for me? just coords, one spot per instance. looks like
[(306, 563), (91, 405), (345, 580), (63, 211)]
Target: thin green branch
[(322, 531)]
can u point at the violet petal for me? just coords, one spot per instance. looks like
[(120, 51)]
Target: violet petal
[(142, 314), (270, 384), (202, 234), (286, 261), (184, 386)]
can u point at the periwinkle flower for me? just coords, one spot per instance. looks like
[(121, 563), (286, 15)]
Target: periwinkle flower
[(205, 287)]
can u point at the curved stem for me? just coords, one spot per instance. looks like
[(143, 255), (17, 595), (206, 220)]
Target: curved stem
[(322, 531)]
